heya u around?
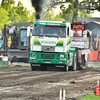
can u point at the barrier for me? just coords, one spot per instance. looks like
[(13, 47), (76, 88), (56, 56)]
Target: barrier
[(94, 56), (62, 94), (4, 60)]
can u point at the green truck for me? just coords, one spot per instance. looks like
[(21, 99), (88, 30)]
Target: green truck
[(52, 45)]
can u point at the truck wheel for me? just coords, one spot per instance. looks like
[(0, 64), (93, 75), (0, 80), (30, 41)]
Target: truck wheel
[(87, 62), (84, 65), (66, 68), (33, 68), (74, 67)]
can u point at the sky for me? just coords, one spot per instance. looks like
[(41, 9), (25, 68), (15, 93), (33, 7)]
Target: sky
[(27, 3)]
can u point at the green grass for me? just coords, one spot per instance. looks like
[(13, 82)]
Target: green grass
[(22, 63), (94, 64), (90, 97)]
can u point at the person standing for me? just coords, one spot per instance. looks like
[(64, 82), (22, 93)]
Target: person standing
[(76, 34)]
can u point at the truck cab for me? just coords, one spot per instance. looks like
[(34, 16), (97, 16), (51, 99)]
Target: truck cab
[(53, 45), (50, 44), (81, 40), (24, 39)]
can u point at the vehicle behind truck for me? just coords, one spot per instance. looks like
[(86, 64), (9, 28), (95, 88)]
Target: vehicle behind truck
[(17, 42), (82, 43), (50, 46)]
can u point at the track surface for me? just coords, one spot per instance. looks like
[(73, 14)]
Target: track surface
[(18, 82)]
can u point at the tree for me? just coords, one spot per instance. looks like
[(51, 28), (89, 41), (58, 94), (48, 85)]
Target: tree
[(17, 13), (13, 16), (82, 13), (7, 4), (47, 15), (88, 6), (22, 12), (32, 17), (4, 19), (50, 15)]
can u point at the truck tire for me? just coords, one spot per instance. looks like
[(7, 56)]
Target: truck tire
[(87, 62), (75, 61), (66, 68), (84, 65), (33, 68)]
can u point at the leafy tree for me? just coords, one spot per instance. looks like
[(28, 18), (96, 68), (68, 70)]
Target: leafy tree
[(13, 16), (86, 7), (17, 13), (4, 19), (59, 18), (47, 15), (50, 15), (7, 4), (32, 17), (22, 12), (82, 13), (90, 5)]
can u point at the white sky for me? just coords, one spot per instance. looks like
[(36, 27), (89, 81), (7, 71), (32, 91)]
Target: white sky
[(27, 3)]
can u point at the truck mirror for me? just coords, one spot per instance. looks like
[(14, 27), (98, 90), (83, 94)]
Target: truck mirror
[(28, 31), (88, 34)]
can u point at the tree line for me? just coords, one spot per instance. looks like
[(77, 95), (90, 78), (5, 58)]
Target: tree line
[(9, 13), (74, 8)]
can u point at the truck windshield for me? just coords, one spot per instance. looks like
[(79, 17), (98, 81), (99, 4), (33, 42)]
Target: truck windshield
[(53, 31), (24, 38), (77, 33)]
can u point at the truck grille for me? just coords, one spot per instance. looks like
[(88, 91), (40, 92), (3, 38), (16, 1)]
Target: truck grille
[(48, 48), (47, 56)]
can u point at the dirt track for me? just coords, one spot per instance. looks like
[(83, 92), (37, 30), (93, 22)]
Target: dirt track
[(20, 83)]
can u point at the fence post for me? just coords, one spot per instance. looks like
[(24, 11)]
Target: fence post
[(62, 94), (64, 91)]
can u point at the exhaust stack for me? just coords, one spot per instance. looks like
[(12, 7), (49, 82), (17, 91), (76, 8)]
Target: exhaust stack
[(38, 7)]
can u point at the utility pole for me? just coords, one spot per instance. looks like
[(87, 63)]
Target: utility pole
[(75, 13)]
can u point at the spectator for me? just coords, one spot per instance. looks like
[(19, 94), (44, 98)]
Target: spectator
[(14, 59), (76, 34)]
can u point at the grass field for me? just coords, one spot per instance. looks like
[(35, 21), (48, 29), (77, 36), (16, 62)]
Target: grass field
[(94, 64), (90, 97)]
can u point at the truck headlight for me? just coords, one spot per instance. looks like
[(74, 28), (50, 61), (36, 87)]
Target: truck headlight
[(33, 54), (62, 56), (60, 62), (34, 60), (32, 57)]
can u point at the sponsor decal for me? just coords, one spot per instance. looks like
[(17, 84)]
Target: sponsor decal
[(48, 42), (36, 41), (60, 43), (68, 40)]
